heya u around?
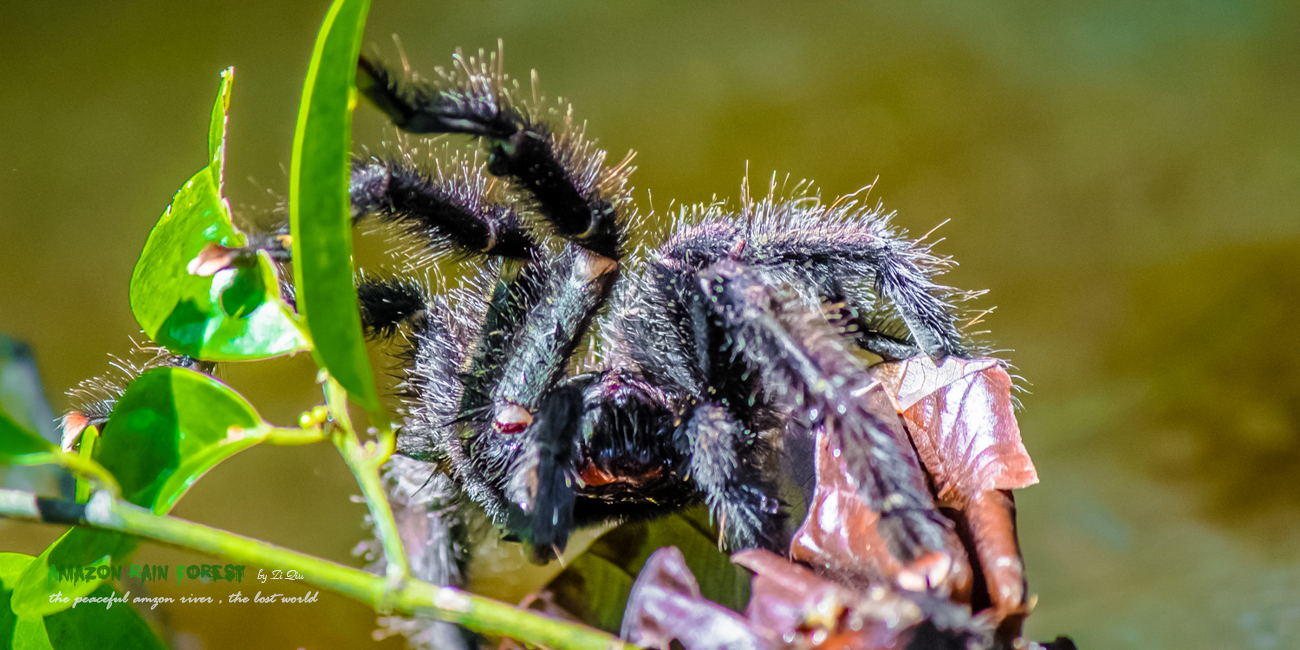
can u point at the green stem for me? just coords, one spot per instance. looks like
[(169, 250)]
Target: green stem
[(367, 472), (76, 464), (365, 461), (288, 436), (414, 598), (85, 451)]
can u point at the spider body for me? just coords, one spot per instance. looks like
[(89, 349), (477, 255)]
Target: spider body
[(734, 335)]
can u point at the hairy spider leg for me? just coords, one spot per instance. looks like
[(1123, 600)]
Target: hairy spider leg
[(798, 351), (844, 256), (451, 377), (533, 362), (448, 211), (451, 214), (738, 495), (835, 258), (561, 180), (94, 399), (540, 487), (450, 374), (570, 190), (430, 512), (850, 314), (386, 302), (566, 186)]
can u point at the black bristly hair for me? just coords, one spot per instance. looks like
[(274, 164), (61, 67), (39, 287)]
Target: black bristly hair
[(521, 148), (387, 303), (448, 209)]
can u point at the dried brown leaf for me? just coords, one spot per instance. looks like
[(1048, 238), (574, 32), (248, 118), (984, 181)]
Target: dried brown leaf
[(793, 607), (666, 604), (962, 423)]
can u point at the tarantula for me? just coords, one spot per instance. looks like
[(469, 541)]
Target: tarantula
[(734, 335), (727, 345)]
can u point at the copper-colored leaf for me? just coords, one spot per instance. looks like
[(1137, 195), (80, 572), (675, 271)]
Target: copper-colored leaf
[(666, 604), (792, 607), (962, 423), (911, 380), (787, 599), (959, 418)]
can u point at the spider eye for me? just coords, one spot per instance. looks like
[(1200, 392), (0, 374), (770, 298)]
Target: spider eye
[(511, 419)]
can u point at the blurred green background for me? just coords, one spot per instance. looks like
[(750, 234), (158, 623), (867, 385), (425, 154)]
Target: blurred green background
[(1123, 176)]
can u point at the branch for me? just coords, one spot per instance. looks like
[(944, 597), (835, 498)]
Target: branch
[(413, 598)]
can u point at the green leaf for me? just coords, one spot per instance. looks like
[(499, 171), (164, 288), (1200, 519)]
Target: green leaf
[(95, 626), (217, 130), (12, 565), (595, 585), (90, 626), (86, 450), (234, 314), (170, 427), (78, 547), (30, 634), (319, 206)]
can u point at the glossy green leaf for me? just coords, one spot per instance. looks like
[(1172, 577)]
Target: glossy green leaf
[(319, 207), (595, 586), (90, 626), (217, 131), (94, 626), (77, 547), (86, 450), (12, 565), (170, 427), (192, 314), (30, 634)]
